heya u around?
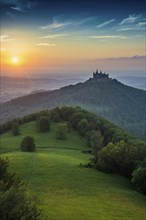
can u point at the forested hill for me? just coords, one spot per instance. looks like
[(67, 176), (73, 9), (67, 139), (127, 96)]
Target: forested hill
[(121, 104)]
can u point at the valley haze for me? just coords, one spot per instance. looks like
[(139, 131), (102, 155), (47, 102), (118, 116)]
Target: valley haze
[(13, 87)]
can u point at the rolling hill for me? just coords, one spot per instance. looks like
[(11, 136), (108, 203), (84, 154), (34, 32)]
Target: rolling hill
[(121, 104), (67, 190)]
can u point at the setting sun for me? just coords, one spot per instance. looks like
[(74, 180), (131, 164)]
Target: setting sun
[(15, 60)]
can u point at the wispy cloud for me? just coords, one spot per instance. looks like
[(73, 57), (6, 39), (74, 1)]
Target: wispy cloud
[(46, 44), (142, 23), (134, 28), (132, 23), (20, 5), (131, 19), (83, 36), (105, 23), (108, 37), (5, 38), (18, 8), (55, 25), (84, 28), (55, 36), (74, 29)]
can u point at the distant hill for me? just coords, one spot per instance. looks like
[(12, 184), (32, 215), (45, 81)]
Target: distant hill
[(121, 104), (14, 87)]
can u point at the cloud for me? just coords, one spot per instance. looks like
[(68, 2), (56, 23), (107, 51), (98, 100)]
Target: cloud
[(18, 8), (55, 36), (133, 23), (5, 38), (46, 44), (136, 57), (131, 19), (20, 5), (105, 23), (108, 37), (130, 28), (74, 29), (82, 36), (84, 28), (143, 23), (55, 25)]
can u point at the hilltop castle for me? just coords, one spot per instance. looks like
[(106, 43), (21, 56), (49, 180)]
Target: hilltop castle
[(100, 75)]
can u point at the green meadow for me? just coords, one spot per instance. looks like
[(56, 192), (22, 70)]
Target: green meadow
[(67, 190)]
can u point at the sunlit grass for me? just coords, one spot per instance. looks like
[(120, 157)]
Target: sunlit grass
[(68, 191)]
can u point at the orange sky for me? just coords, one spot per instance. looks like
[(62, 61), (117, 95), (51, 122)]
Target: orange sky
[(69, 53)]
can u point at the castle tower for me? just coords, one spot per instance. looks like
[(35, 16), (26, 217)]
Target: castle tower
[(100, 75), (97, 71), (94, 75)]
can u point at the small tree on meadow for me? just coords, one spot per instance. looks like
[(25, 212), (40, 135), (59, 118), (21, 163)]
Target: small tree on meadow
[(61, 131), (43, 124), (15, 129), (28, 144)]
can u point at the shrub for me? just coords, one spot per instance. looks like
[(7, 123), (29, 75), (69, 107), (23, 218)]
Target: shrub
[(61, 131), (139, 179), (43, 124), (28, 144)]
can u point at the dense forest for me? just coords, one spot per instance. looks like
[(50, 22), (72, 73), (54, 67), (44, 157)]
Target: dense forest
[(112, 149), (121, 104)]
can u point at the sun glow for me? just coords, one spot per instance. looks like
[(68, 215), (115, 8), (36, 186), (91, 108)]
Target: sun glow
[(15, 60)]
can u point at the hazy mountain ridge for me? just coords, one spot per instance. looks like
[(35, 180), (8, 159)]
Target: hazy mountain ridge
[(117, 102), (13, 87)]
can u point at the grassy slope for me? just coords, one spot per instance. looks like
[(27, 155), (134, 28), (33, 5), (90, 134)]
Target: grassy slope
[(68, 191)]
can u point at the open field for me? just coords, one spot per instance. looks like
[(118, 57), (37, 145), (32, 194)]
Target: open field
[(68, 191)]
